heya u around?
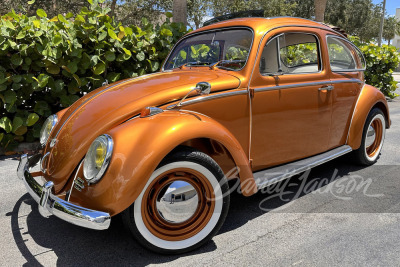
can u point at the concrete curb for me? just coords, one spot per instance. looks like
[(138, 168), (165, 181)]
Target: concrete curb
[(22, 148)]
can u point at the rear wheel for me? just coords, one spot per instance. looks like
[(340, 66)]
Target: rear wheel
[(372, 139), (182, 206)]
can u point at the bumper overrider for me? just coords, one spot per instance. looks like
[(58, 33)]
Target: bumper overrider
[(50, 204)]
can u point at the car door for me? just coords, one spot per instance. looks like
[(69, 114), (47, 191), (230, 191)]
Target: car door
[(291, 104), (346, 63)]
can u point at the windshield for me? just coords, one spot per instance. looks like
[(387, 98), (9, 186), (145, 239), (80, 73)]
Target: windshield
[(228, 48)]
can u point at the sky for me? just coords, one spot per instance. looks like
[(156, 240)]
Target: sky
[(391, 6)]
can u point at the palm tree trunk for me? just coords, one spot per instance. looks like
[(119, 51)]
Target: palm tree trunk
[(320, 6), (180, 11), (113, 4)]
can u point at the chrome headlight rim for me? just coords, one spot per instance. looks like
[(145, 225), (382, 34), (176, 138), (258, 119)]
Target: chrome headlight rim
[(106, 162), (54, 121)]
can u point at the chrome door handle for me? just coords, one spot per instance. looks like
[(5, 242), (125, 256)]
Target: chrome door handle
[(327, 88)]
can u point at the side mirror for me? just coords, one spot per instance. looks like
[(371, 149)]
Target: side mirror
[(203, 88)]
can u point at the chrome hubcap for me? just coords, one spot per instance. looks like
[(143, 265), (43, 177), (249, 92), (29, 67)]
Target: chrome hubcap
[(371, 135), (177, 202)]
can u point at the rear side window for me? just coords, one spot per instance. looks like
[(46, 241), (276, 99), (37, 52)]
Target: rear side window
[(344, 56), (291, 53)]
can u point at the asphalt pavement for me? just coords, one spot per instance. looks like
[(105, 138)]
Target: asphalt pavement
[(339, 214)]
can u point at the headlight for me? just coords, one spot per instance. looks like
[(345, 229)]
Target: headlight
[(48, 125), (97, 158)]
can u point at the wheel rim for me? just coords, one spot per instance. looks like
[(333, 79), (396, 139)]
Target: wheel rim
[(374, 138), (160, 210)]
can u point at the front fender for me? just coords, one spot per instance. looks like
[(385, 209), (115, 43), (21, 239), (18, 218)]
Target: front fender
[(369, 98), (140, 145)]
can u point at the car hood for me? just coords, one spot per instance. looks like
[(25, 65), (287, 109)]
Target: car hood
[(109, 106)]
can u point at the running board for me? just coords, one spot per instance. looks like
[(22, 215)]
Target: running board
[(274, 175)]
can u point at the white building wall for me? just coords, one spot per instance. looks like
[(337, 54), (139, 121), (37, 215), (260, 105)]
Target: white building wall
[(396, 40)]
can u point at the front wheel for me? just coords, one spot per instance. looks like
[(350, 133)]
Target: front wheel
[(372, 138), (182, 206)]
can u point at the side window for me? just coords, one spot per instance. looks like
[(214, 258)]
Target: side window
[(344, 56), (298, 53)]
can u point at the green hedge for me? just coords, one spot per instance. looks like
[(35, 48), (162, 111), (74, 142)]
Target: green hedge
[(381, 62), (48, 63)]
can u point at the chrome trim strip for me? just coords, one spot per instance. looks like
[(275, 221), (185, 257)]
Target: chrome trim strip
[(214, 96), (51, 204), (195, 100), (270, 88), (352, 116), (274, 175)]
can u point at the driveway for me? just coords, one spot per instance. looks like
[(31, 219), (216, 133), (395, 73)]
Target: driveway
[(336, 215)]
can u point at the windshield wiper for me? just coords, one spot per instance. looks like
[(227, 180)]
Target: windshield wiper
[(198, 63)]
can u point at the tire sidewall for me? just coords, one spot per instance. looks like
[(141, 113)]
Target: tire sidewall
[(375, 114), (198, 162)]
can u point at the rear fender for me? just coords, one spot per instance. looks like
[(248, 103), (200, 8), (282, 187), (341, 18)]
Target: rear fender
[(369, 98)]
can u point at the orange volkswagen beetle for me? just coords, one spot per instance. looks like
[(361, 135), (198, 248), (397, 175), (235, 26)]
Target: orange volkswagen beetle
[(254, 99)]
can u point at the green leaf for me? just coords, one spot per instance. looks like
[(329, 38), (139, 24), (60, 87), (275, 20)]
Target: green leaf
[(53, 69), (41, 13), (41, 107), (42, 80), (166, 32), (10, 97), (169, 14), (112, 34), (17, 122), (21, 35), (99, 68), (20, 131), (110, 56), (5, 123), (127, 51), (57, 40), (9, 24), (72, 67), (62, 19), (102, 35), (80, 18), (140, 56), (32, 119), (16, 60), (31, 2), (113, 77), (58, 85), (36, 23), (16, 78), (77, 79)]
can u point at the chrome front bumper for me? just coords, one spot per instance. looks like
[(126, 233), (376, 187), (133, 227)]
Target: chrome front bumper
[(50, 204)]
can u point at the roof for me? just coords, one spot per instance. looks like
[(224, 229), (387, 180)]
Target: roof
[(261, 25)]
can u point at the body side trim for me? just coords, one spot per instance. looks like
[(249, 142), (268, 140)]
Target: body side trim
[(274, 175)]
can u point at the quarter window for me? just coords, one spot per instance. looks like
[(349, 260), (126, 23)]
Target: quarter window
[(343, 56), (291, 53)]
